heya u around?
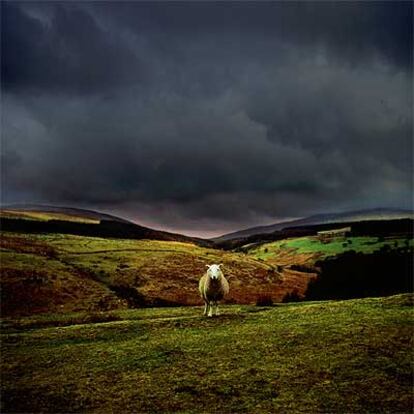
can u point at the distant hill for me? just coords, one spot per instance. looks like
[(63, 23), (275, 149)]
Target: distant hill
[(344, 217), (32, 218), (46, 212)]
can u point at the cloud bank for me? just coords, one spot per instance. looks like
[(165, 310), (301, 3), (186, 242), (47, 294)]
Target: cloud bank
[(207, 117)]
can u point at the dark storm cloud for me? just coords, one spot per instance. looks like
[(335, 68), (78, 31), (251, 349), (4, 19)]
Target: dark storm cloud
[(350, 29), (68, 49), (65, 52), (207, 116)]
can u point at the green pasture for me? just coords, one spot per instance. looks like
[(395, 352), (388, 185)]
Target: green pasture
[(337, 245), (345, 356)]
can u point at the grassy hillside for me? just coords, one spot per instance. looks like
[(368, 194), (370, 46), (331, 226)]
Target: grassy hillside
[(60, 273), (45, 216), (47, 212), (371, 228), (312, 248), (67, 273), (296, 258), (381, 214), (336, 357), (65, 220)]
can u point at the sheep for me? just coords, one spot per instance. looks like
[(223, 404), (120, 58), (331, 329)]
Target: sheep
[(213, 286)]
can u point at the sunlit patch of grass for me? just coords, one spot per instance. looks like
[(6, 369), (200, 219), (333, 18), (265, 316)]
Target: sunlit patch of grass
[(45, 216), (337, 245), (37, 283), (344, 356)]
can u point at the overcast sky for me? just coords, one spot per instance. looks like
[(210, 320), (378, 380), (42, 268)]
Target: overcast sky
[(203, 118)]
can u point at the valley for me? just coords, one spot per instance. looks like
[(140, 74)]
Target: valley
[(112, 324)]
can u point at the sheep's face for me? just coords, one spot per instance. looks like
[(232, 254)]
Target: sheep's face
[(214, 271)]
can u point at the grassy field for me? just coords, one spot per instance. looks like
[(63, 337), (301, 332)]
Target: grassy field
[(62, 273), (312, 246), (68, 273), (346, 356)]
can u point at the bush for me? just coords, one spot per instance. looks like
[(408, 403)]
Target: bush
[(303, 268), (292, 297), (357, 275), (264, 300), (134, 298)]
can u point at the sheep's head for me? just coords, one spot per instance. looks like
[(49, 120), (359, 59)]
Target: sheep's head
[(214, 271)]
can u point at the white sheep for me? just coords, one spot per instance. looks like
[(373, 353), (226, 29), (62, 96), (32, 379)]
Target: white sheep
[(213, 286)]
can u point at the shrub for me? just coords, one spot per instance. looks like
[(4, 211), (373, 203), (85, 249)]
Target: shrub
[(292, 297), (303, 268), (264, 300), (134, 298), (357, 275)]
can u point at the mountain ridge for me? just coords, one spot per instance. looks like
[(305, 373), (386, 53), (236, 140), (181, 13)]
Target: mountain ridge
[(106, 225), (79, 212), (104, 218), (321, 218)]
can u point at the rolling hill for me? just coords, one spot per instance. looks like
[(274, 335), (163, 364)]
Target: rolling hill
[(32, 218), (52, 272), (344, 217), (84, 329), (46, 212), (43, 273), (366, 260), (52, 261)]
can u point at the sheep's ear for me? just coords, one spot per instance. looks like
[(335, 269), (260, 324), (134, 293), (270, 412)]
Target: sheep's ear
[(207, 265), (221, 264)]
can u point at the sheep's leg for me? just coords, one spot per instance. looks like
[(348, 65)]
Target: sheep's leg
[(205, 308), (211, 308), (217, 310)]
